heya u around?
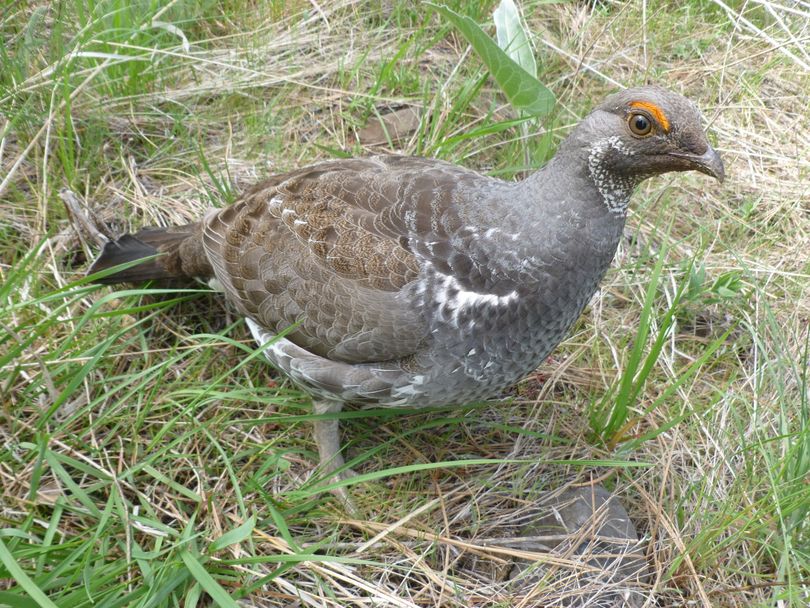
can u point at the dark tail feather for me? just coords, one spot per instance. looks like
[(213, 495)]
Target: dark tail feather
[(179, 256)]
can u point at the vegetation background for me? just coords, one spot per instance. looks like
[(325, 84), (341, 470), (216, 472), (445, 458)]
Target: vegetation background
[(147, 458)]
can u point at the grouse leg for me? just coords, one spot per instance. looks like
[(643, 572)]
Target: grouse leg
[(327, 438)]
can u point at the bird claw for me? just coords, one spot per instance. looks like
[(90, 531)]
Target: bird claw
[(343, 495)]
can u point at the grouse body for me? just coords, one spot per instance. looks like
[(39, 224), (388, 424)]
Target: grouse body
[(412, 281)]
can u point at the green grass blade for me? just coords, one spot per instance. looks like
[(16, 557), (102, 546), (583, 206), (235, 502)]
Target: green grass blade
[(15, 601), (629, 376), (206, 581), (22, 579), (470, 462), (237, 535)]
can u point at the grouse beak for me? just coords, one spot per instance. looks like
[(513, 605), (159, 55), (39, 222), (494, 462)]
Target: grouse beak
[(709, 163)]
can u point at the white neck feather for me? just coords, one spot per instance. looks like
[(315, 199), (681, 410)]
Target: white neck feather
[(614, 188)]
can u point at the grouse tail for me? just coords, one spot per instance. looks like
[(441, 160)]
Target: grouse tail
[(168, 254)]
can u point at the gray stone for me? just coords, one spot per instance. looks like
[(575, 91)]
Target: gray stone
[(590, 526)]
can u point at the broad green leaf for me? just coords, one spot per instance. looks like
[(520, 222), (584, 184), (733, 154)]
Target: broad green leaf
[(512, 36), (522, 89)]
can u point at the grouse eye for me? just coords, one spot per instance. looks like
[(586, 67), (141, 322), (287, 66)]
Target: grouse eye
[(639, 124)]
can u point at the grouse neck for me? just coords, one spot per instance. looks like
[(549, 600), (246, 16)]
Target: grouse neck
[(583, 165), (564, 199), (576, 179)]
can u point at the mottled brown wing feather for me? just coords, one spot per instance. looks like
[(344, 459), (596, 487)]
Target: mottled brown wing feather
[(331, 248)]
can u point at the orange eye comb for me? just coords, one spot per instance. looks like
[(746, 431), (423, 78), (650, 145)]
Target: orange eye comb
[(653, 109)]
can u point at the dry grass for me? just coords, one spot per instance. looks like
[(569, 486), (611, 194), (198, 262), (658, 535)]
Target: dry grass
[(134, 435)]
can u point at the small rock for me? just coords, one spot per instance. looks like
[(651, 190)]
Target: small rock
[(395, 125), (593, 527)]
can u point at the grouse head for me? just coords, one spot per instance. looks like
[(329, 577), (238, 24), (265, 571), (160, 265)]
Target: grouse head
[(639, 133)]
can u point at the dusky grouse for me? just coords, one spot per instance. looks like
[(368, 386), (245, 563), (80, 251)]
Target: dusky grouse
[(412, 281)]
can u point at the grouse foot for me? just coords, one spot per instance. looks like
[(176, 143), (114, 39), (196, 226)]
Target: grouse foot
[(327, 438)]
